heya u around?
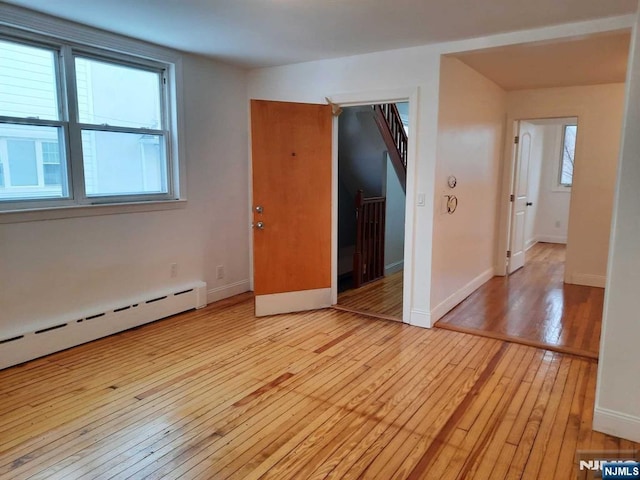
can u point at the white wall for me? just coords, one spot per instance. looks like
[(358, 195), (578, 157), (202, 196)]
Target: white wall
[(394, 221), (617, 410), (51, 269), (470, 138), (599, 112), (552, 218)]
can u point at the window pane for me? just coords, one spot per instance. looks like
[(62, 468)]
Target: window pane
[(568, 154), (22, 163), (24, 175), (27, 82), (117, 95), (52, 174), (51, 163), (123, 163), (50, 152)]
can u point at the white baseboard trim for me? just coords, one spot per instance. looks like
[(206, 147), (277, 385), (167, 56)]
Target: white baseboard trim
[(588, 280), (551, 239), (289, 302), (394, 267), (616, 424), (454, 299), (84, 326), (530, 244), (420, 318), (226, 291)]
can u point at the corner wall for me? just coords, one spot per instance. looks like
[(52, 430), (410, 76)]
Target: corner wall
[(617, 410), (472, 111)]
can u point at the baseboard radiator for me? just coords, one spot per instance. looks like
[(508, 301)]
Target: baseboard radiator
[(100, 323)]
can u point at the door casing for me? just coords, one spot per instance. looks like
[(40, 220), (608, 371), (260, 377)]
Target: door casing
[(355, 99), (508, 186)]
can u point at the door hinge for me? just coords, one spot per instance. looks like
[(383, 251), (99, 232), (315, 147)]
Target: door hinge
[(512, 198), (508, 253), (516, 139)]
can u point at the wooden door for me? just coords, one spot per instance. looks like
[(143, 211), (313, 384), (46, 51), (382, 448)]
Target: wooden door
[(520, 193), (291, 161)]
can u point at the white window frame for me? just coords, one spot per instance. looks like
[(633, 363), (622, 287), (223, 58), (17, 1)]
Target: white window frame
[(77, 40), (559, 186)]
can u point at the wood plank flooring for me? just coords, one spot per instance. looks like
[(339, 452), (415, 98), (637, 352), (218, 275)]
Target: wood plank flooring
[(533, 306), (382, 298), (218, 393)]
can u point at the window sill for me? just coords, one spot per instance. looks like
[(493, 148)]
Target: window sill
[(74, 211)]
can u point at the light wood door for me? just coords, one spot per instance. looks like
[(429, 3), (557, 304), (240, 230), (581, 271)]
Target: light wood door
[(291, 161), (521, 192)]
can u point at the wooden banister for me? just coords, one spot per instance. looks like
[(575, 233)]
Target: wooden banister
[(368, 259), (389, 123)]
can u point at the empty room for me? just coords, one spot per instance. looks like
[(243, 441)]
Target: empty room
[(172, 243)]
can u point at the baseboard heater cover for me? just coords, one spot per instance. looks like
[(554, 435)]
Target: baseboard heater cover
[(60, 335)]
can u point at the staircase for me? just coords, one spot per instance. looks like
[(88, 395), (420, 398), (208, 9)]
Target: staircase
[(394, 135)]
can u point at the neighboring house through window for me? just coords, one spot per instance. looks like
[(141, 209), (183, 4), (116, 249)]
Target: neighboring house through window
[(80, 126), (568, 155)]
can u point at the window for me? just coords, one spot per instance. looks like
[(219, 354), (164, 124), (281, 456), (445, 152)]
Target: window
[(80, 126), (567, 156), (51, 163)]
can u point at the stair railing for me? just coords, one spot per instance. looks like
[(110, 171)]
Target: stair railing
[(391, 128)]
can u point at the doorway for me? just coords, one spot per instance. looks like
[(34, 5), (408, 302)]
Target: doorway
[(533, 304), (544, 157), (372, 172)]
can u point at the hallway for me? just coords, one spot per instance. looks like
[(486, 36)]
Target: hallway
[(534, 307)]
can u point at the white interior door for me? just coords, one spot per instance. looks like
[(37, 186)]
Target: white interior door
[(520, 198)]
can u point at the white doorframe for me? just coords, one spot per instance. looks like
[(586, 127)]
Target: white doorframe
[(508, 185), (370, 98)]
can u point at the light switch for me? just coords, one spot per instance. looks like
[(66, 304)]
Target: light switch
[(421, 200)]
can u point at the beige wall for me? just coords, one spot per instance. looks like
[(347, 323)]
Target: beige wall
[(470, 138), (599, 112)]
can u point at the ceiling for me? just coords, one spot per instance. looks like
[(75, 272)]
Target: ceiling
[(588, 60), (255, 33)]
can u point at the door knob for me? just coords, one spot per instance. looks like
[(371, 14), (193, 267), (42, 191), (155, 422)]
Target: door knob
[(259, 209), (529, 204), (258, 225)]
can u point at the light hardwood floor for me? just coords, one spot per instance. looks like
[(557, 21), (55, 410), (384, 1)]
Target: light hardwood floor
[(217, 393), (534, 306), (382, 298)]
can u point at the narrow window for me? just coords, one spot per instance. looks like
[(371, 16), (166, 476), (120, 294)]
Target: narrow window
[(51, 164), (568, 155)]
